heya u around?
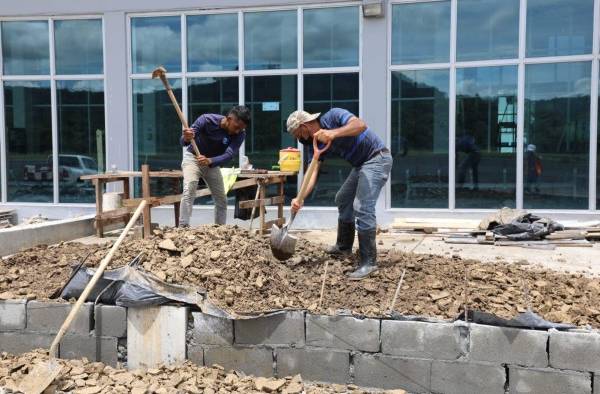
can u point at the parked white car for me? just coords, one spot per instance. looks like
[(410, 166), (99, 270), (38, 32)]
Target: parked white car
[(70, 168)]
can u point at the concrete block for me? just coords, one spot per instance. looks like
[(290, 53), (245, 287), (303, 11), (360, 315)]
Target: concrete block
[(92, 347), (440, 341), (48, 316), (509, 346), (575, 350), (386, 372), (111, 321), (342, 332), (252, 361), (156, 335), (285, 328), (321, 365), (13, 314), (462, 377), (18, 342), (195, 354), (548, 381), (212, 330)]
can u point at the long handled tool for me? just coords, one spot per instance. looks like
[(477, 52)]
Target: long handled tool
[(283, 245), (161, 73), (43, 374)]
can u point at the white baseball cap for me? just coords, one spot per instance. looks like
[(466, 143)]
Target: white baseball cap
[(296, 118)]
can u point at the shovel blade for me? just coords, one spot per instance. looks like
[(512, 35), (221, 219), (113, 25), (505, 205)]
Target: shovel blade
[(283, 244), (40, 377)]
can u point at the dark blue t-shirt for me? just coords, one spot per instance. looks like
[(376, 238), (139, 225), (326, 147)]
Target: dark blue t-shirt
[(356, 150), (214, 142)]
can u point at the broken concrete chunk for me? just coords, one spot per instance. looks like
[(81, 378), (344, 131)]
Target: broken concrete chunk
[(169, 245)]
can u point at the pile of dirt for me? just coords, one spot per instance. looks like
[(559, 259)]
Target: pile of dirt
[(83, 377), (241, 276)]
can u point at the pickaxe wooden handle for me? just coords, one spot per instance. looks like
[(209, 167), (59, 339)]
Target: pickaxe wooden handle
[(161, 73)]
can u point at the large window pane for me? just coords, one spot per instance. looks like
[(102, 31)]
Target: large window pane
[(557, 131), (212, 42), (270, 100), (78, 46), (29, 141), (487, 29), (270, 40), (80, 110), (421, 32), (559, 27), (321, 93), (25, 49), (486, 135), (156, 42), (420, 139), (156, 130), (211, 95), (331, 37)]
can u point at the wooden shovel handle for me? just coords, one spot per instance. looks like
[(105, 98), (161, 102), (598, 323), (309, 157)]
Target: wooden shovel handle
[(84, 295), (314, 164)]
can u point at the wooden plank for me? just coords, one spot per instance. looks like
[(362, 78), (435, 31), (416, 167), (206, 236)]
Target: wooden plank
[(261, 202), (262, 210), (567, 234), (146, 195), (99, 225), (435, 223), (178, 174), (119, 212)]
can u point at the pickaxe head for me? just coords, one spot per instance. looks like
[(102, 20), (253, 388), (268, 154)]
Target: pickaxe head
[(159, 72)]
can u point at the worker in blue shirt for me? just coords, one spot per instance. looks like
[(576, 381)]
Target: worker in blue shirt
[(371, 162), (218, 139)]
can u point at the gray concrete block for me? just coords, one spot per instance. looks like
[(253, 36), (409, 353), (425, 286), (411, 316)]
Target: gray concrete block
[(195, 354), (212, 330), (285, 328), (92, 347), (575, 350), (386, 372), (342, 332), (462, 377), (440, 341), (252, 361), (508, 346), (110, 321), (13, 314), (548, 381), (18, 342), (321, 365), (48, 316)]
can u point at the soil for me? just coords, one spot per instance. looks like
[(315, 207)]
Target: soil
[(83, 377), (241, 276)]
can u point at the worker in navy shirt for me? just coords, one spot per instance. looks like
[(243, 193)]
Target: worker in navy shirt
[(218, 139), (371, 162)]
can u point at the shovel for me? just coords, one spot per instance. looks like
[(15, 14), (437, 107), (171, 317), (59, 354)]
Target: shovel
[(44, 373), (283, 245)]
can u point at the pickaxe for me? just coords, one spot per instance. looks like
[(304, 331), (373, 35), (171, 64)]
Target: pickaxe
[(161, 73)]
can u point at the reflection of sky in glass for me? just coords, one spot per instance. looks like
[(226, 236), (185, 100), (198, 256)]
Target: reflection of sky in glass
[(559, 27), (557, 80), (331, 37), (270, 40), (487, 29), (78, 46), (421, 32), (212, 42), (156, 42), (25, 49), (424, 81), (486, 82)]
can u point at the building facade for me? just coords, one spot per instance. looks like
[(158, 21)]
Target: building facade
[(483, 103)]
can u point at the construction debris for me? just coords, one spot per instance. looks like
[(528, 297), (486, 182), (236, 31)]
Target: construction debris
[(83, 377), (237, 270)]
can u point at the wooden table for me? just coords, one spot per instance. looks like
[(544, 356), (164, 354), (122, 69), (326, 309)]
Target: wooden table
[(122, 215)]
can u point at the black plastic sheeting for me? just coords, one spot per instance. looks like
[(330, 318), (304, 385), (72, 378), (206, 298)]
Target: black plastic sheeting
[(526, 227)]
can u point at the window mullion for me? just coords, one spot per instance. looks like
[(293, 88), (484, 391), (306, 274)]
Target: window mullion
[(54, 114)]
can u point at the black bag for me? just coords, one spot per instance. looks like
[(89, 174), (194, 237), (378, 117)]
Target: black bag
[(245, 194)]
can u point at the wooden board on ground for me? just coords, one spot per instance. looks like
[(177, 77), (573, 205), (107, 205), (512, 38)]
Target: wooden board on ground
[(428, 225)]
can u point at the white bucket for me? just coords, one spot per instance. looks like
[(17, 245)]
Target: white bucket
[(112, 200)]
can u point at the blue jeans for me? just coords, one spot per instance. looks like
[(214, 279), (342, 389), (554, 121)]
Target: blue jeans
[(357, 197)]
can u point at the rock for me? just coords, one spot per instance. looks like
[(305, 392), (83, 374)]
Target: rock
[(169, 245), (187, 261), (268, 385), (214, 255)]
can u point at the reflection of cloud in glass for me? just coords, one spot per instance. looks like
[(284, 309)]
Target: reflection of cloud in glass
[(155, 42), (212, 42), (270, 39), (78, 46), (94, 86), (145, 86), (487, 82), (559, 80), (27, 84), (331, 37), (25, 47)]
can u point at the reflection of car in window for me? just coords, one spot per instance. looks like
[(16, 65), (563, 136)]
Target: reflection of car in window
[(70, 168)]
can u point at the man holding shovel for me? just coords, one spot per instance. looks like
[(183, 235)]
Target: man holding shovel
[(371, 162), (218, 139)]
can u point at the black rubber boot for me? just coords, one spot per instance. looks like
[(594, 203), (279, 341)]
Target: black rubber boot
[(367, 248), (345, 239)]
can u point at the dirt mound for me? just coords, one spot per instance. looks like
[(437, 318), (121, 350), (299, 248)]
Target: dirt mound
[(80, 376), (241, 276)]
